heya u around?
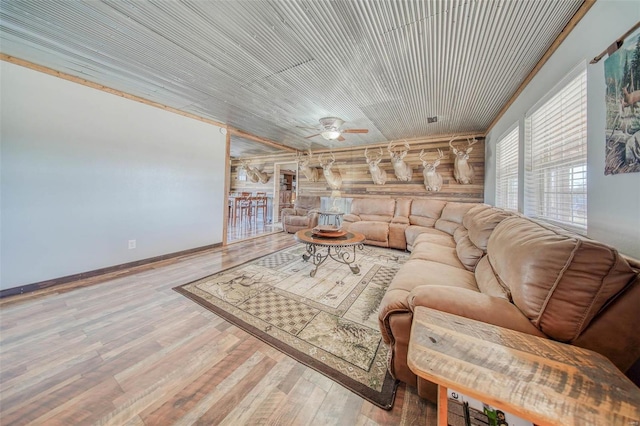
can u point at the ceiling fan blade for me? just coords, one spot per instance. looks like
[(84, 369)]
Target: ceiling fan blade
[(340, 138), (312, 136), (355, 131)]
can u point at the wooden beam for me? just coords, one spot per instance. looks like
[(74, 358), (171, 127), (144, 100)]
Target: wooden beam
[(245, 135), (416, 140), (78, 80), (227, 187), (74, 79), (577, 17)]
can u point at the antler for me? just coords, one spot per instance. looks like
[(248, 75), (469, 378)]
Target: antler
[(327, 163), (440, 155), (471, 142), (390, 147), (377, 157), (452, 139)]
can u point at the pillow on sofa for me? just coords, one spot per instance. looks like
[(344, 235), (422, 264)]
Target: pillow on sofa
[(558, 279), (480, 221), (452, 216), (467, 252), (426, 212), (376, 209)]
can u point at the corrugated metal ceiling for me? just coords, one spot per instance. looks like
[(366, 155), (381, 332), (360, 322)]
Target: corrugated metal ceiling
[(272, 67)]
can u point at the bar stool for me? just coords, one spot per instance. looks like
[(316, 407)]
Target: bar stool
[(260, 203), (244, 206)]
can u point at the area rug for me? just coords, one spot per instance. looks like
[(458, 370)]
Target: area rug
[(328, 322)]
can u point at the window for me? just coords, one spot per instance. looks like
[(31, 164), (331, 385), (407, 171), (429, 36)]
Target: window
[(507, 171), (556, 155)]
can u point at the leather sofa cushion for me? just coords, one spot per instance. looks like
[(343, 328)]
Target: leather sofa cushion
[(378, 209), (487, 281), (480, 221), (435, 236), (413, 274), (426, 212), (436, 253), (296, 220), (452, 215), (558, 279), (473, 305), (467, 252), (403, 207), (373, 231), (413, 233), (376, 217)]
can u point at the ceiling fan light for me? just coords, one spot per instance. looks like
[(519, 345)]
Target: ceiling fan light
[(330, 134)]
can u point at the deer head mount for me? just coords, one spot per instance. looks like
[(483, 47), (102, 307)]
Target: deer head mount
[(432, 179), (378, 175), (333, 177), (253, 174), (311, 173), (403, 170), (462, 169)]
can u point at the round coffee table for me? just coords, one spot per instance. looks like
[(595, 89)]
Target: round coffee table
[(341, 249)]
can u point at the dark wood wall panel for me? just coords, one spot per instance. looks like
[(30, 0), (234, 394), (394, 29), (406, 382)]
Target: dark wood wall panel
[(357, 182)]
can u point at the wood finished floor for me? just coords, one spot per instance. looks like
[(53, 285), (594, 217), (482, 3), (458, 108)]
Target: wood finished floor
[(126, 349), (250, 228)]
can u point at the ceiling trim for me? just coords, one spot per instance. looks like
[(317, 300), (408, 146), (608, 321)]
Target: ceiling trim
[(239, 133), (82, 81), (577, 17), (416, 140)]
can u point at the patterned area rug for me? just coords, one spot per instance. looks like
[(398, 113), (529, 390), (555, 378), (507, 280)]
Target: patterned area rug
[(328, 322)]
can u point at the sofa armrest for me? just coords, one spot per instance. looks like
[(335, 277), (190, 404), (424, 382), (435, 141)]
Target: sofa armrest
[(473, 305), (351, 218), (288, 211)]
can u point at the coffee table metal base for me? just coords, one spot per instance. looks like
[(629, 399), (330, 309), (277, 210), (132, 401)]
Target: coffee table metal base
[(346, 255)]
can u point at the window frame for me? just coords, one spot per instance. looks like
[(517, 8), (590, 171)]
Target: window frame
[(555, 145), (508, 144)]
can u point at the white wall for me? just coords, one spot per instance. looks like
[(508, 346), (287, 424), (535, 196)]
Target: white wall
[(84, 171), (613, 201)]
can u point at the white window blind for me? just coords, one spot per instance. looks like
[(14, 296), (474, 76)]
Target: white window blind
[(507, 171), (556, 156)]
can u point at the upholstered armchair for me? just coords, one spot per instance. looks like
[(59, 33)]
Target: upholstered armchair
[(304, 214)]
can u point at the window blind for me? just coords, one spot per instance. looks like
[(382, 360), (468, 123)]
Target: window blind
[(556, 157), (507, 171)]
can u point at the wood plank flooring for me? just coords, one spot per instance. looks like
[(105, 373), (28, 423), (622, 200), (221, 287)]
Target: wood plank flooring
[(125, 349), (244, 229)]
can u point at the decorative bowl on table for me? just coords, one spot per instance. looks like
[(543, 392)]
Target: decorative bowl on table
[(328, 231)]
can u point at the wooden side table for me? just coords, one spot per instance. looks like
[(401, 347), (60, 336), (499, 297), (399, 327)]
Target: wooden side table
[(544, 381)]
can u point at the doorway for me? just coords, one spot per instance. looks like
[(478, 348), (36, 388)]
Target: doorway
[(285, 187)]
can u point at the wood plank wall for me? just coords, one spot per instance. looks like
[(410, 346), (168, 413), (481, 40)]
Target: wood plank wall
[(264, 163), (357, 182)]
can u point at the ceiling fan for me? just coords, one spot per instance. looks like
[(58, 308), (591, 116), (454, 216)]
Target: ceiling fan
[(330, 129)]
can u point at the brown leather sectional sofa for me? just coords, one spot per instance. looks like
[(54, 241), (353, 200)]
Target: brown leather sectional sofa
[(502, 268)]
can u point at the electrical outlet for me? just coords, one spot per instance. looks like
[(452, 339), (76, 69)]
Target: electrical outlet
[(132, 244)]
